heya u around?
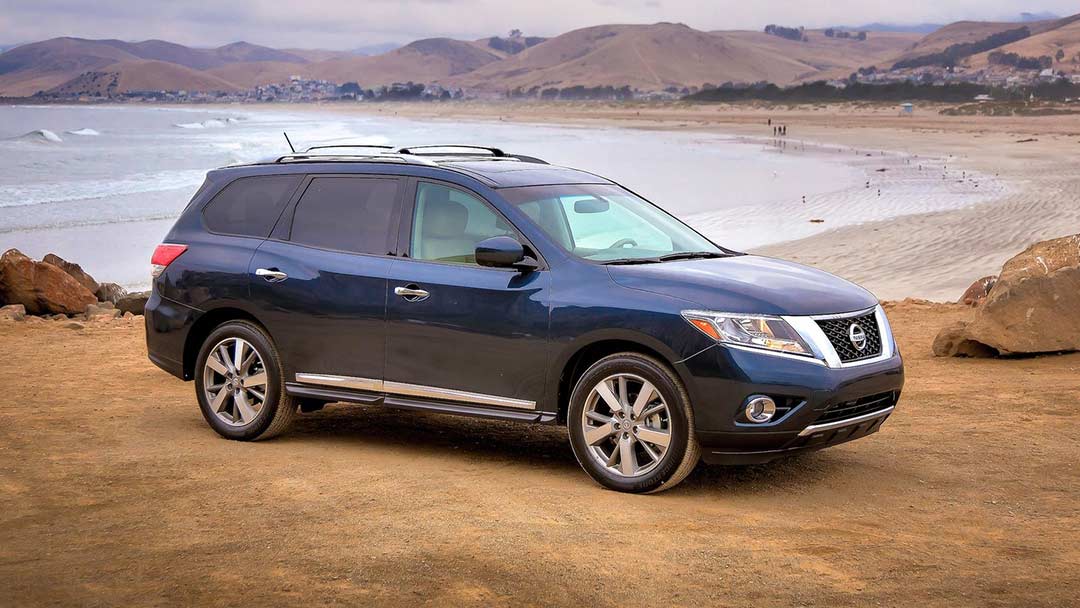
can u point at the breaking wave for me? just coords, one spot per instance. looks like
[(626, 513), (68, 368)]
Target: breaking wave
[(41, 135), (83, 132)]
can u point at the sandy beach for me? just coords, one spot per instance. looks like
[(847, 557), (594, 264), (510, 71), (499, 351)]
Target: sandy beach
[(967, 497), (933, 255)]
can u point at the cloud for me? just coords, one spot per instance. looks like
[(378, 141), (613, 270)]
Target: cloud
[(343, 24)]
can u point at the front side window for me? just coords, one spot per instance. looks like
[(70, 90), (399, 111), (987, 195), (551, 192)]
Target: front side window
[(448, 223), (606, 223), (347, 214), (250, 206)]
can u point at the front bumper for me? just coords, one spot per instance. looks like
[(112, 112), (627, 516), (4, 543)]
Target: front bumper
[(827, 405)]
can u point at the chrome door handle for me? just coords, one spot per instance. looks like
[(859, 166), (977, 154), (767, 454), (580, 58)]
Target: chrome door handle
[(271, 275), (412, 293)]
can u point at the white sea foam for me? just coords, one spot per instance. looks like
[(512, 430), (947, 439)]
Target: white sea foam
[(190, 125), (20, 195), (40, 135), (85, 131)]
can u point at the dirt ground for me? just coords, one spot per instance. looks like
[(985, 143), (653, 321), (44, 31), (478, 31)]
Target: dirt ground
[(113, 491)]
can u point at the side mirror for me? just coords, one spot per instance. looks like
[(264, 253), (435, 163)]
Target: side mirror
[(503, 252)]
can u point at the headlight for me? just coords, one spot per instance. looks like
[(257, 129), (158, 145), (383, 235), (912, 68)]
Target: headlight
[(754, 331)]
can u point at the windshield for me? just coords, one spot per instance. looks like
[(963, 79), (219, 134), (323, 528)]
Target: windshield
[(606, 223)]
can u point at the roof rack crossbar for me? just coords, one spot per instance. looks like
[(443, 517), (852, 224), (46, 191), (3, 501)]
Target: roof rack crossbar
[(413, 150), (329, 147)]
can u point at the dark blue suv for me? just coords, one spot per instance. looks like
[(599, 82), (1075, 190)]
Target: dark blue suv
[(470, 281)]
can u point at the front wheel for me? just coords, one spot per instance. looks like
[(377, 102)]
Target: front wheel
[(240, 385), (631, 425)]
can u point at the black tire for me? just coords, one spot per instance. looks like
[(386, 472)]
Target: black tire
[(683, 451), (277, 409)]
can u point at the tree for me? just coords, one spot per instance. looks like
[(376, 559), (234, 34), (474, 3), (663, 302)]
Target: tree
[(515, 33), (1060, 54)]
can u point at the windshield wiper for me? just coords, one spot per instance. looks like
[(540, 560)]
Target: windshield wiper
[(627, 261), (692, 255)]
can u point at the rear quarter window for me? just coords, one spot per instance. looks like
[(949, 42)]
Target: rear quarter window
[(250, 206)]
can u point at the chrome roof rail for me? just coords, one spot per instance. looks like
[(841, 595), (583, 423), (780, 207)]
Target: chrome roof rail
[(421, 150)]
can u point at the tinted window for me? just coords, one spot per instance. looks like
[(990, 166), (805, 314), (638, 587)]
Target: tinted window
[(250, 205), (448, 223), (346, 213)]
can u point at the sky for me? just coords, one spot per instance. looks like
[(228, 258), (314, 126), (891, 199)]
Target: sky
[(348, 24)]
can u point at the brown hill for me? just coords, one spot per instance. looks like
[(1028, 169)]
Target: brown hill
[(654, 57), (141, 75), (833, 57), (1064, 38), (43, 65), (51, 63), (973, 31), (429, 61)]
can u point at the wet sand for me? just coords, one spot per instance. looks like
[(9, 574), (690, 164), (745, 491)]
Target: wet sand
[(934, 254), (113, 491)]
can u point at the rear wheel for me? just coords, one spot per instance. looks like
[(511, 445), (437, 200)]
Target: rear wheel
[(240, 385), (631, 425)]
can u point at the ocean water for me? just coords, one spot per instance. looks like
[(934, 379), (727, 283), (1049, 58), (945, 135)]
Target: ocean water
[(101, 185)]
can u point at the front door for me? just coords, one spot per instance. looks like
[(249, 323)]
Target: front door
[(321, 284), (458, 331)]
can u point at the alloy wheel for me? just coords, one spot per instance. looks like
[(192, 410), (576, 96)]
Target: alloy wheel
[(234, 379), (626, 424)]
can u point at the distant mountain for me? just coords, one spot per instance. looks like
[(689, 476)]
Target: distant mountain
[(375, 49), (980, 32), (646, 58), (915, 28), (44, 65), (1043, 16), (663, 55)]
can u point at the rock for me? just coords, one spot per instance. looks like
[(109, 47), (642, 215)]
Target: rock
[(110, 292), (75, 325), (15, 312), (40, 287), (978, 291), (1035, 305), (104, 310), (128, 315), (32, 320), (133, 302), (951, 342), (74, 271)]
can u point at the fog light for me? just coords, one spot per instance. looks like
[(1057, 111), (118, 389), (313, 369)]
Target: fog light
[(759, 409)]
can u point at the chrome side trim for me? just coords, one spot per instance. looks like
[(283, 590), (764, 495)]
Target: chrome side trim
[(360, 384), (828, 426), (432, 392), (413, 390)]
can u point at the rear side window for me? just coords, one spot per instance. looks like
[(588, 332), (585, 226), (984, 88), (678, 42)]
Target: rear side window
[(250, 205), (346, 213)]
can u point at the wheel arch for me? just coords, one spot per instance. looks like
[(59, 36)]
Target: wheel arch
[(577, 358), (202, 327)]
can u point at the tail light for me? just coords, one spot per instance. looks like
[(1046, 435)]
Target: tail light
[(164, 255)]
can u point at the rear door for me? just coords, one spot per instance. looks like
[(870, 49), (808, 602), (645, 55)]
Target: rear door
[(459, 331), (321, 280)]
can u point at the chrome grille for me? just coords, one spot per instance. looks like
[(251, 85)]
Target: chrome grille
[(838, 331)]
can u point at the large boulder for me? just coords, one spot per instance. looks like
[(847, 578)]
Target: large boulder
[(74, 271), (1034, 307), (110, 292), (13, 312), (41, 287), (952, 342), (976, 294), (133, 302)]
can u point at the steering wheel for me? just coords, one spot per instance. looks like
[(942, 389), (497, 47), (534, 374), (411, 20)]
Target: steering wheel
[(623, 243)]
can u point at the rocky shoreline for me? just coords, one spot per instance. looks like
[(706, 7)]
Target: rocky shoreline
[(54, 288)]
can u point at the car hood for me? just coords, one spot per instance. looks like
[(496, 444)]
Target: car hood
[(747, 284)]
